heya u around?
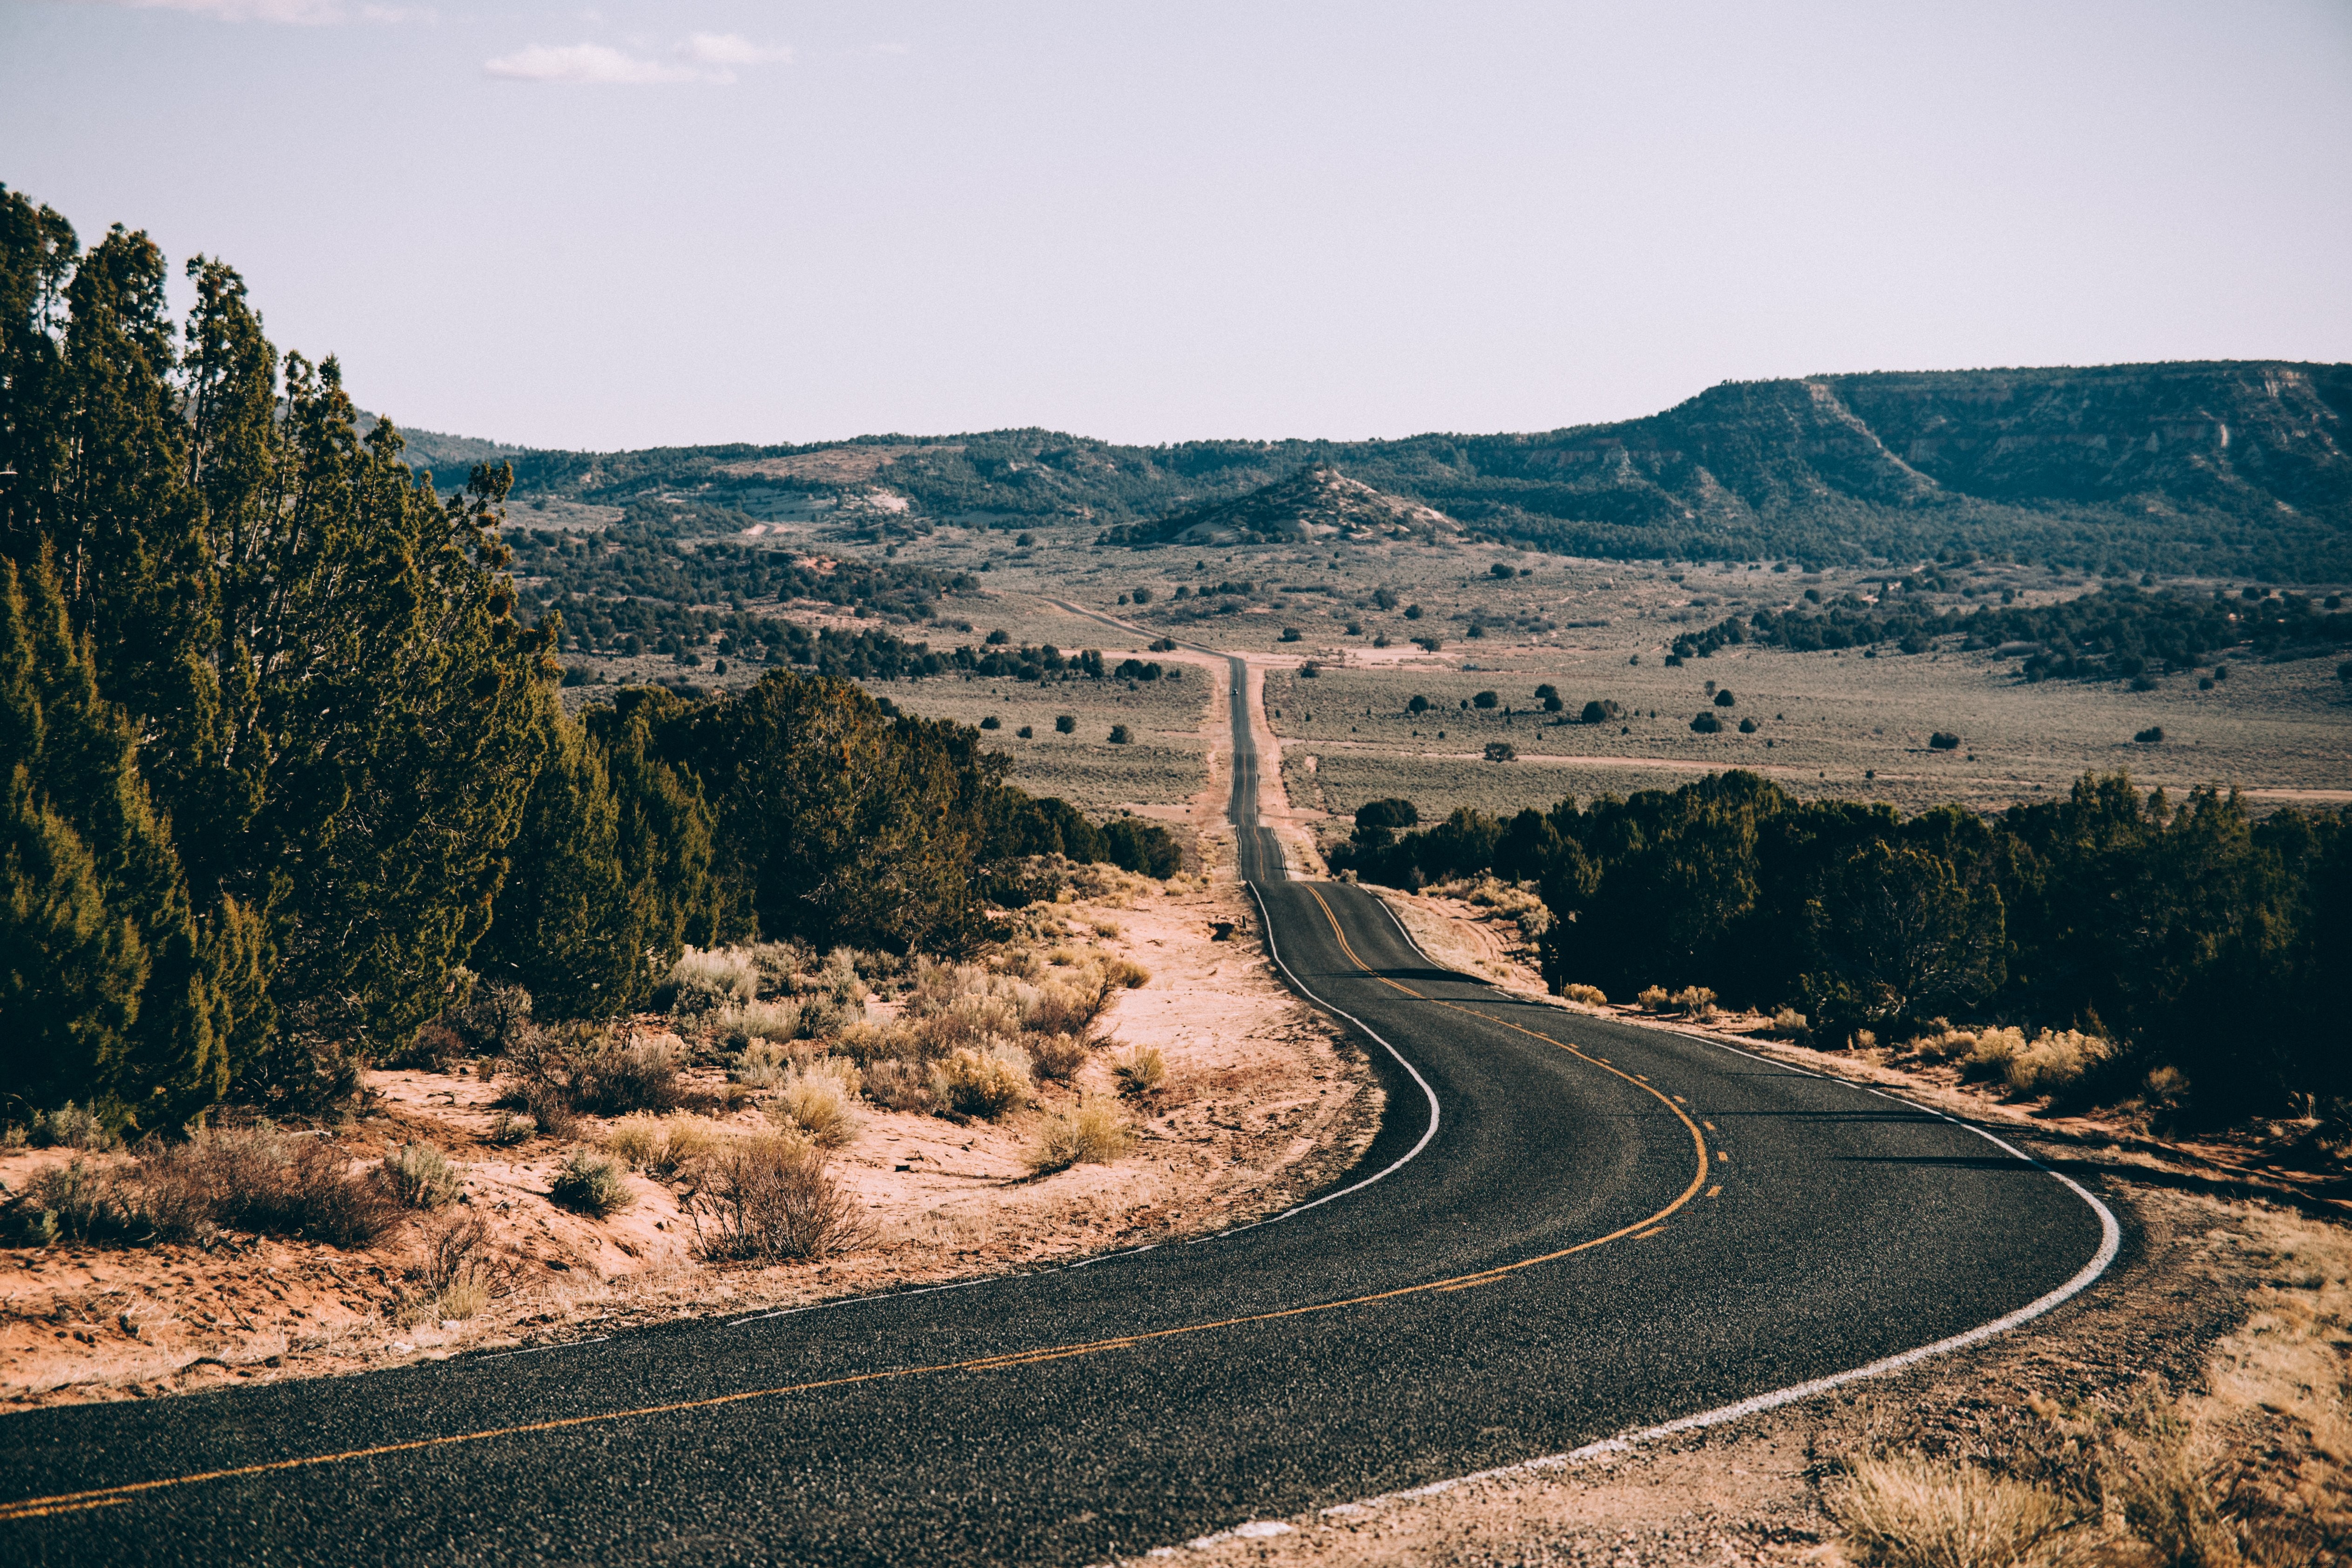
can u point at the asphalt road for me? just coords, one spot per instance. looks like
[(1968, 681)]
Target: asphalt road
[(1567, 1229)]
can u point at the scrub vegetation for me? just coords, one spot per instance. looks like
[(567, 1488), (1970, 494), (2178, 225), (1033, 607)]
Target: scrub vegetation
[(2213, 1000), (284, 760)]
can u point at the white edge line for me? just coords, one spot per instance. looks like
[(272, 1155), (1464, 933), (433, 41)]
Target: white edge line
[(1390, 910), (2110, 1243), (1265, 925)]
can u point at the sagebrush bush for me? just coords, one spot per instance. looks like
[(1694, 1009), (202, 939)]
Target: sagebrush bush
[(1125, 973), (1653, 998), (839, 981), (867, 1042), (421, 1176), (897, 1084), (777, 1021), (1788, 1024), (1142, 1071), (776, 964), (1091, 1133), (255, 1179), (1054, 1008), (771, 1197), (2056, 1062), (820, 1100), (709, 980), (1057, 1057), (70, 1127), (982, 1083), (591, 1184), (1591, 995), (603, 1071), (488, 1019), (763, 1064)]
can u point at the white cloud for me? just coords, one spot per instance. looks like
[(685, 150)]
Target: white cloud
[(293, 13), (590, 63), (703, 57), (731, 49)]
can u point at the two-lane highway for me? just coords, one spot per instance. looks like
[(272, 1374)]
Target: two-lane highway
[(1567, 1229)]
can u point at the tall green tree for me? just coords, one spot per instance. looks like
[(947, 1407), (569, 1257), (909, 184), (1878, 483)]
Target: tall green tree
[(331, 710), (570, 922), (115, 989)]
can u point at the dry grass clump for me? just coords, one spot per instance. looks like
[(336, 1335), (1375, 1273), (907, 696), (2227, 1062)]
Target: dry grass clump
[(663, 1147), (1591, 995), (771, 1197), (1907, 1513), (256, 1178), (820, 1100), (589, 1183), (2254, 1472), (1512, 901), (421, 1176), (2052, 1062), (457, 1282), (1692, 1001), (1092, 1132), (1788, 1024), (984, 1082), (1141, 1071), (510, 1129)]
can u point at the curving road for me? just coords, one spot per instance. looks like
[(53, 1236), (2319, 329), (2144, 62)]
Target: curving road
[(1567, 1230)]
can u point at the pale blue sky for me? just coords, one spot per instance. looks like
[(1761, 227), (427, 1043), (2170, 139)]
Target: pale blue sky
[(698, 222)]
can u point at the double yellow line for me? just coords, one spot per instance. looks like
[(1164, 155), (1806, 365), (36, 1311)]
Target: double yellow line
[(109, 1497)]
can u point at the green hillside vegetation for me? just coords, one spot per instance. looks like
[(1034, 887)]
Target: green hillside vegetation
[(2235, 468), (2116, 634), (1318, 502), (2193, 943), (281, 750)]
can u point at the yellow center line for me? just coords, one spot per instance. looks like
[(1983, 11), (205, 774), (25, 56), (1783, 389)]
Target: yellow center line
[(107, 1497)]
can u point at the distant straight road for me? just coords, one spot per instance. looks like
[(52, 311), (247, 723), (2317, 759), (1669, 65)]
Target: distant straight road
[(1567, 1229)]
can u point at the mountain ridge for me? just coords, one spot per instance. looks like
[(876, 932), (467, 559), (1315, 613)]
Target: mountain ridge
[(2220, 467)]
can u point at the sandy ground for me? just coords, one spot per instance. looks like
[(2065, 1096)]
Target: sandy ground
[(1263, 1103)]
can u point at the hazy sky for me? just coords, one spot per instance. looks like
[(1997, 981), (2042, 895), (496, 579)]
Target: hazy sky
[(698, 222)]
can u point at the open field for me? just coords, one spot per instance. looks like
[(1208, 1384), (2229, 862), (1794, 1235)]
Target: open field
[(1831, 722)]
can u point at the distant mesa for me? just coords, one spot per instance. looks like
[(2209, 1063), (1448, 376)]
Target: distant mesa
[(1316, 503)]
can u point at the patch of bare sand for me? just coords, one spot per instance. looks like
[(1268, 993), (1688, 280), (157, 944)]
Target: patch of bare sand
[(1264, 1103)]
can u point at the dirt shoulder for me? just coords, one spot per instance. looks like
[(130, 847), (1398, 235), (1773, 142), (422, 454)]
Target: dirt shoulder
[(1264, 1103)]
